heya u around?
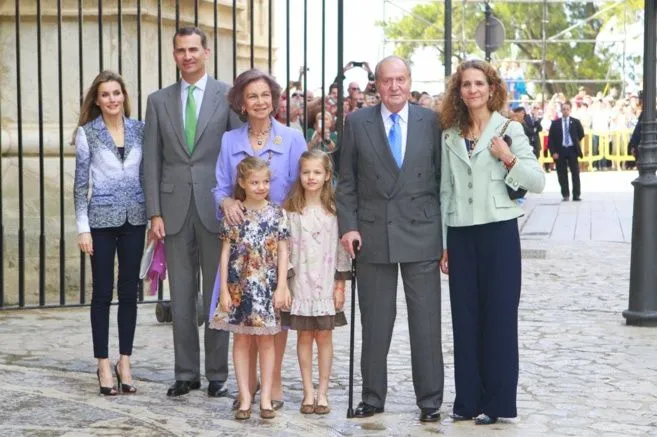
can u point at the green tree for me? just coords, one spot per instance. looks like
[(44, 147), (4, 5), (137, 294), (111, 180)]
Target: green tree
[(424, 27)]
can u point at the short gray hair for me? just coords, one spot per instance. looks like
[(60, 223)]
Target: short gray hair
[(391, 58)]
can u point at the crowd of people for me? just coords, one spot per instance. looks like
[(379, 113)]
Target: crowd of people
[(244, 199)]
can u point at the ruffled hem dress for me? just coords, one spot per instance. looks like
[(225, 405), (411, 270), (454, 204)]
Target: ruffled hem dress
[(318, 260)]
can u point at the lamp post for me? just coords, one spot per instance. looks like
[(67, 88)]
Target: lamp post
[(642, 309), (487, 44), (448, 38)]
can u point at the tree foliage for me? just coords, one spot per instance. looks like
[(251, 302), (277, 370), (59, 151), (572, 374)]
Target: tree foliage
[(522, 21)]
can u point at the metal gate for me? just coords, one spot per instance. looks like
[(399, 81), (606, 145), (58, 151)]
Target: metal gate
[(50, 52)]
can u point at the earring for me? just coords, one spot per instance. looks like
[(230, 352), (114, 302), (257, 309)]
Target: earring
[(490, 96), (243, 111)]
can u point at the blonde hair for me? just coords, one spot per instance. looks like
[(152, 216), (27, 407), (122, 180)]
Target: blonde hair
[(296, 199), (244, 169), (90, 110), (454, 112)]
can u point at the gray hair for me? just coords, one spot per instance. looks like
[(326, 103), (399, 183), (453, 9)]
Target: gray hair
[(391, 58)]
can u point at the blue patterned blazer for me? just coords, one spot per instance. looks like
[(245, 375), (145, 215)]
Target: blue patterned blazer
[(116, 185)]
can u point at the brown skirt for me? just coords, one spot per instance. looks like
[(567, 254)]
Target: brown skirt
[(317, 323)]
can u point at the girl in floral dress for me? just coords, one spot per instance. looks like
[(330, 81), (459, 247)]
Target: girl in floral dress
[(253, 263), (321, 266)]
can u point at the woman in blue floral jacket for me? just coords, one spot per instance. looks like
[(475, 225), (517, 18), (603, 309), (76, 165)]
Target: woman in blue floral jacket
[(111, 217)]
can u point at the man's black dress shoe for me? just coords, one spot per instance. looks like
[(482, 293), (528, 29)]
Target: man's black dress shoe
[(367, 410), (217, 389), (429, 415), (458, 418), (577, 199), (180, 388)]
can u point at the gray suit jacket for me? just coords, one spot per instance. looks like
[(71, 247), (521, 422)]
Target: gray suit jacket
[(172, 176), (396, 211)]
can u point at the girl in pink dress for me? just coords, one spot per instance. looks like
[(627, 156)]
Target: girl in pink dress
[(321, 266)]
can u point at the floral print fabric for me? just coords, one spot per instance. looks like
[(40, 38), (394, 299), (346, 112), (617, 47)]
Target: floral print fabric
[(253, 271)]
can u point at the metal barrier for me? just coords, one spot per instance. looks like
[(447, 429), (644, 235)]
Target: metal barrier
[(43, 82), (612, 146)]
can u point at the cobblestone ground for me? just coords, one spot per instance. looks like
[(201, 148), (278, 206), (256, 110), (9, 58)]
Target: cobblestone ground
[(583, 371)]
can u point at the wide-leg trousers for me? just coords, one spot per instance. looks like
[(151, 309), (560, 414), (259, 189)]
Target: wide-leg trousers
[(484, 288)]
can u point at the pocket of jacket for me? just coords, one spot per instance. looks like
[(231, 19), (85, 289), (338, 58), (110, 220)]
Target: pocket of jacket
[(431, 210), (101, 200), (366, 217), (139, 197), (166, 188), (503, 201)]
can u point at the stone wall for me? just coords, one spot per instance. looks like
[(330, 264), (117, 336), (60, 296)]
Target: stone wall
[(70, 98)]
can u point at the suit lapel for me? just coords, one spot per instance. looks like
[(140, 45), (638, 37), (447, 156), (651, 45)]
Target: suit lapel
[(492, 129), (379, 140), (105, 137), (128, 133), (412, 128), (455, 143), (210, 101), (173, 108)]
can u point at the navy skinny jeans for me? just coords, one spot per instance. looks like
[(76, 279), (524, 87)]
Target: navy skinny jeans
[(126, 242)]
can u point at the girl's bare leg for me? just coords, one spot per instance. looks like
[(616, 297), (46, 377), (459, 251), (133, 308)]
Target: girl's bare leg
[(305, 357)]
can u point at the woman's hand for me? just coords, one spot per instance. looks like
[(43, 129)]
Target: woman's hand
[(338, 296), (225, 302), (85, 243), (444, 266), (282, 298), (500, 150), (233, 211)]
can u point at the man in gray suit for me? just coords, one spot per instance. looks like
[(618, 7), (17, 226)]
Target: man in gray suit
[(388, 201), (182, 137)]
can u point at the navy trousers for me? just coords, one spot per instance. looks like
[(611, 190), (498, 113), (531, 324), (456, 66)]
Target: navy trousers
[(127, 243), (484, 289)]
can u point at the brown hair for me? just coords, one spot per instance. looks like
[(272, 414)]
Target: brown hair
[(244, 169), (236, 93), (454, 112), (296, 199), (89, 109), (191, 30)]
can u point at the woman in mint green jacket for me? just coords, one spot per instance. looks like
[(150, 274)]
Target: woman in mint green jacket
[(481, 239)]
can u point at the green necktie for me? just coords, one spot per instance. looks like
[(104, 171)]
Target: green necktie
[(190, 118)]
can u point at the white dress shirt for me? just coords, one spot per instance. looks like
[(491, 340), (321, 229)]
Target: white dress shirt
[(403, 123), (199, 91)]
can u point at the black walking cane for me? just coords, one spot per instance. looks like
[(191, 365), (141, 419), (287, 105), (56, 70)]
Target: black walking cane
[(350, 410)]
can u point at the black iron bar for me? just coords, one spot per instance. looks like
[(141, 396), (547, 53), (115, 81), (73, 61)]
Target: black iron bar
[(139, 99), (42, 206), (62, 221), (21, 194), (234, 39), (287, 62), (216, 40), (119, 21), (305, 66), (100, 35), (252, 31), (270, 37), (83, 264), (159, 44)]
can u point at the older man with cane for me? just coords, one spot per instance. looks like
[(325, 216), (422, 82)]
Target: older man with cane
[(388, 202)]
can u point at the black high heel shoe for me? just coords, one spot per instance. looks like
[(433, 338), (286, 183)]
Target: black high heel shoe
[(105, 391), (125, 388)]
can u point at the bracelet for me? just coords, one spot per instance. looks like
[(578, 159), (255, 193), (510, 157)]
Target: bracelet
[(511, 163)]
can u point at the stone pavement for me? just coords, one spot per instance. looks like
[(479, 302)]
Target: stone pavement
[(583, 371)]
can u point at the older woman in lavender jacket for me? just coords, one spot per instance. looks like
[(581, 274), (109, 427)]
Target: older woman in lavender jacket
[(255, 97)]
